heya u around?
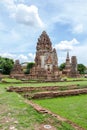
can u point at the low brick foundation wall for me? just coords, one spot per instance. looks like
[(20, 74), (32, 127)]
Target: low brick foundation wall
[(46, 88), (59, 93), (50, 92)]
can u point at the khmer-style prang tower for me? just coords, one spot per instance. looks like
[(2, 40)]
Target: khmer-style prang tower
[(46, 61)]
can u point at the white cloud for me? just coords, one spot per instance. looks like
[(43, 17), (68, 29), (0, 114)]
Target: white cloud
[(8, 55), (10, 5), (21, 57), (22, 1), (80, 51), (66, 45), (31, 56), (27, 15)]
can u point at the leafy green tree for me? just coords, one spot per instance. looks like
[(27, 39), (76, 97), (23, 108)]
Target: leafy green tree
[(6, 65), (29, 66), (62, 66), (81, 68)]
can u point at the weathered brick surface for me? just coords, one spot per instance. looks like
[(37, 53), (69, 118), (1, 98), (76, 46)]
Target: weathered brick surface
[(17, 71), (46, 61), (49, 91), (59, 93), (31, 89)]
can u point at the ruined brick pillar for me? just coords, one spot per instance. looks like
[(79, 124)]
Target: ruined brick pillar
[(74, 71)]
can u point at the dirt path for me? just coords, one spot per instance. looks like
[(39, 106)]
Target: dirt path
[(44, 111)]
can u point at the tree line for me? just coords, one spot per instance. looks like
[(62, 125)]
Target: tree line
[(6, 65)]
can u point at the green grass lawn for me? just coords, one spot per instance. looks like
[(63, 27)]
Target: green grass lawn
[(80, 84), (75, 79), (73, 108), (71, 81), (16, 114), (10, 80)]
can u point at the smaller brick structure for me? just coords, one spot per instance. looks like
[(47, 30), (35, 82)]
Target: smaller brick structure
[(70, 69), (17, 71), (67, 68)]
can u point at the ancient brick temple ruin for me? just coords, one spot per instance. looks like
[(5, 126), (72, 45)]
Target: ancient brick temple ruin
[(17, 71), (67, 68), (46, 61), (70, 69)]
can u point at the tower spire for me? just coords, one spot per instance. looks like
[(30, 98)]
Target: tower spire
[(67, 54)]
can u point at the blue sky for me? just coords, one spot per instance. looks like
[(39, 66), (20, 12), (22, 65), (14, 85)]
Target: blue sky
[(22, 22)]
